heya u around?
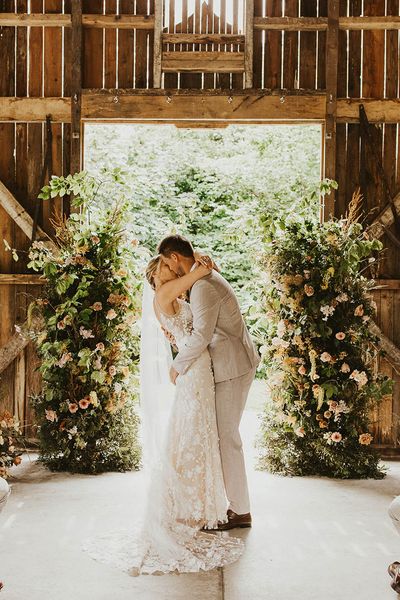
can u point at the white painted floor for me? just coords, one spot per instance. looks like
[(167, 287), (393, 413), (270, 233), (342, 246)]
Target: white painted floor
[(312, 539)]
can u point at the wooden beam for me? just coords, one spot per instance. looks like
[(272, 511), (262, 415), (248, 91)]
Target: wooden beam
[(33, 110), (22, 218), (291, 23), (357, 23), (119, 21), (379, 111), (126, 21), (21, 279), (331, 62), (388, 284), (34, 20), (11, 350), (195, 106), (76, 86), (249, 45), (203, 62), (392, 351), (384, 220), (90, 21), (321, 23), (157, 45)]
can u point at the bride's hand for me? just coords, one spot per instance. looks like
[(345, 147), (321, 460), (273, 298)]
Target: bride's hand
[(205, 261)]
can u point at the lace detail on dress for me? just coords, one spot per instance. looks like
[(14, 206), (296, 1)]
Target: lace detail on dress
[(187, 490)]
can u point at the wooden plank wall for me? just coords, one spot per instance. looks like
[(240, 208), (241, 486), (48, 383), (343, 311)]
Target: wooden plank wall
[(36, 63)]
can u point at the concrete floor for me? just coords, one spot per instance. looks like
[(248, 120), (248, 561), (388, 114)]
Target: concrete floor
[(312, 539)]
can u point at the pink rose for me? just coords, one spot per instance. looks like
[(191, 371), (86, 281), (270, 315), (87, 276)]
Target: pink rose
[(340, 335), (336, 437), (84, 403)]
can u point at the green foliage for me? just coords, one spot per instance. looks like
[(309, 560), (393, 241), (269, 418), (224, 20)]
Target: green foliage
[(212, 186), (318, 352), (87, 334)]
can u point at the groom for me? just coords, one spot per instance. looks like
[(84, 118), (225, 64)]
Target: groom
[(219, 326)]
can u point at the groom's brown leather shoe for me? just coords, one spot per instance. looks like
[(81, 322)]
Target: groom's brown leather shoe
[(394, 572), (234, 520)]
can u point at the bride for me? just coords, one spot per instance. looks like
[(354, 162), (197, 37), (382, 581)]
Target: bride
[(186, 494)]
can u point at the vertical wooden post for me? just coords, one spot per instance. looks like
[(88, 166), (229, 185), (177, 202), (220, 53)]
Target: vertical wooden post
[(76, 85), (331, 58), (248, 48), (157, 43)]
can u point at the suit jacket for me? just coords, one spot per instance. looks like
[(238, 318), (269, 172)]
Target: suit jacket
[(217, 324)]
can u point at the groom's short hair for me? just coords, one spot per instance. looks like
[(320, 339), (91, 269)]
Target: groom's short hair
[(175, 243)]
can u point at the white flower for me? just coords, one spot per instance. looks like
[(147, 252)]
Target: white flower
[(51, 415), (343, 297), (85, 333), (276, 341), (281, 328), (327, 311), (359, 377)]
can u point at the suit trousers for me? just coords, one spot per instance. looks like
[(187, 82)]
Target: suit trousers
[(230, 399)]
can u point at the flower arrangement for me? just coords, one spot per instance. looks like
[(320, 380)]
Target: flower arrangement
[(86, 329), (319, 353), (10, 443)]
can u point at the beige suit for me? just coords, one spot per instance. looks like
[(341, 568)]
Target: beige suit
[(219, 325)]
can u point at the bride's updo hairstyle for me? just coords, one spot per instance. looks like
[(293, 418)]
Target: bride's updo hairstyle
[(151, 270)]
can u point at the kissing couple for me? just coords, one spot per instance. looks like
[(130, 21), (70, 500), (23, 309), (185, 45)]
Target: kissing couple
[(197, 485)]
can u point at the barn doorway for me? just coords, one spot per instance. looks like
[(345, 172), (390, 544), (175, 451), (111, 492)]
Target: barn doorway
[(210, 185)]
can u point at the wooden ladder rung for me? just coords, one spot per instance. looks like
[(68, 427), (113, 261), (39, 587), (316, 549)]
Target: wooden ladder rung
[(202, 38), (203, 62)]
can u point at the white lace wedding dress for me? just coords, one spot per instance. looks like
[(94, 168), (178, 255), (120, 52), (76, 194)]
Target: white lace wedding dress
[(186, 491)]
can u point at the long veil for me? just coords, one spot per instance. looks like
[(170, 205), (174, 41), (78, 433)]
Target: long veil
[(156, 391)]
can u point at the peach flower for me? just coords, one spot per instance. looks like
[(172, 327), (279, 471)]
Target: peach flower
[(365, 439), (309, 290), (359, 310), (84, 403), (97, 306), (73, 407), (340, 335), (336, 437)]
